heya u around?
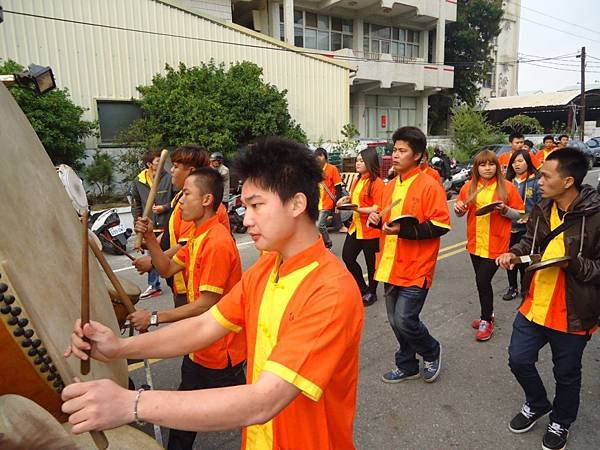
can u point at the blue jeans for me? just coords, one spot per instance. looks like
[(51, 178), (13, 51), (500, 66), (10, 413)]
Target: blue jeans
[(322, 224), (154, 279), (567, 349), (403, 305)]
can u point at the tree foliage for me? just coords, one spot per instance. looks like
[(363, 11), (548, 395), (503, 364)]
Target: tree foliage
[(216, 107), (55, 118), (522, 123), (468, 48), (471, 130), (99, 173)]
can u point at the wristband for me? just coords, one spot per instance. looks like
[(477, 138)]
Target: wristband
[(135, 408)]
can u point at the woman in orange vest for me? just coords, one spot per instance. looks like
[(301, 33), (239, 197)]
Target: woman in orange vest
[(488, 235), (366, 192)]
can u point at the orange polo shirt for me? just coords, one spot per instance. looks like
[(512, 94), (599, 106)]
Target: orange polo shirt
[(407, 262), (331, 178), (360, 195), (427, 169), (541, 155), (504, 159), (212, 264), (180, 231), (303, 319), (488, 236), (546, 303)]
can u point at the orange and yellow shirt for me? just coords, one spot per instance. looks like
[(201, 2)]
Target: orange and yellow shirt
[(331, 178), (427, 169), (360, 196), (180, 231), (546, 303), (488, 236), (303, 319), (212, 264), (540, 157), (407, 262)]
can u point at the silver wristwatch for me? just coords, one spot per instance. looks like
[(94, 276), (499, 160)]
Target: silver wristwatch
[(154, 319)]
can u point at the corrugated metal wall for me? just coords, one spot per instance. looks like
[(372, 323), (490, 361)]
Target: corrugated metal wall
[(106, 63)]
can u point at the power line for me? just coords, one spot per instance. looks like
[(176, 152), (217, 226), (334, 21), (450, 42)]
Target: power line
[(514, 17)]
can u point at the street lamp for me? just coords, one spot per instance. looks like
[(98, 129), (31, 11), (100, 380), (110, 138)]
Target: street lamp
[(42, 78)]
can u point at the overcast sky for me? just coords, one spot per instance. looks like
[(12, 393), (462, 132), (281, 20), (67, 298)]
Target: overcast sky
[(552, 28)]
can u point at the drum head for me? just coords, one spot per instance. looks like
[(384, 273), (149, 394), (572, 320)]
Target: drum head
[(122, 438), (74, 187), (405, 219), (486, 209), (552, 262), (26, 425), (40, 262), (347, 207)]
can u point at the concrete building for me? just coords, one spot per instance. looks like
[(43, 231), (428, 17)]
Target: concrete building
[(504, 78), (397, 47), (102, 51)]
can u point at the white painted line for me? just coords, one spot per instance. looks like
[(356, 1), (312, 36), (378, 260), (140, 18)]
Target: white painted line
[(122, 269)]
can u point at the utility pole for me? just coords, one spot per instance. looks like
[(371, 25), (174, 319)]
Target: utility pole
[(582, 101)]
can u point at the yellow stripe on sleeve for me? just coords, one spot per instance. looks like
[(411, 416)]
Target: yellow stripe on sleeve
[(440, 224), (308, 388), (223, 321), (176, 260), (209, 288)]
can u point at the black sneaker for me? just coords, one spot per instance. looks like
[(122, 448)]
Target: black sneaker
[(511, 294), (431, 369), (368, 299), (526, 419), (555, 437)]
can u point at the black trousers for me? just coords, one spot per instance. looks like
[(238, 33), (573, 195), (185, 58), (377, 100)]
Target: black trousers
[(350, 252), (485, 269), (519, 268), (193, 377)]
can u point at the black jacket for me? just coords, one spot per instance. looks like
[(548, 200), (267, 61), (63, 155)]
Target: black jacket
[(583, 273), (140, 189)]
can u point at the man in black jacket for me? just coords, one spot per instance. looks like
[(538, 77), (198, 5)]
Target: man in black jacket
[(140, 189), (562, 305)]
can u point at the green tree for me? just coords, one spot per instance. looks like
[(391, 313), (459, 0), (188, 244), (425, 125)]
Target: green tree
[(468, 48), (216, 107), (55, 118), (100, 173), (522, 123), (470, 131)]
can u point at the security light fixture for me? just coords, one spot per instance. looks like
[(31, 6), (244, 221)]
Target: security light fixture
[(40, 77)]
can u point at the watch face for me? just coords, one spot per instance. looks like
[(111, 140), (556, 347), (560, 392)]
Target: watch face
[(153, 319)]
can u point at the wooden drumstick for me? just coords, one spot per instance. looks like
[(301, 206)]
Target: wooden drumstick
[(152, 195), (389, 207), (85, 286), (112, 277), (474, 194), (120, 249)]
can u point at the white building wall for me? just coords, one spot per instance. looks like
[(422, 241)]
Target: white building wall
[(98, 62), (219, 9)]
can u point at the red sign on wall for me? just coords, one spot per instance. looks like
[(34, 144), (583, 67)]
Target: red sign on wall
[(383, 121)]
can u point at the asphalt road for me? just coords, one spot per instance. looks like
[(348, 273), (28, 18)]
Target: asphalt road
[(468, 407)]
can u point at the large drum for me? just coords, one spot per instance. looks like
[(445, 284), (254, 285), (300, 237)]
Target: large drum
[(40, 271), (24, 425), (131, 289)]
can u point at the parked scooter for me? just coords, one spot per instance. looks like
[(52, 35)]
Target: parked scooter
[(107, 226), (236, 211), (459, 177)]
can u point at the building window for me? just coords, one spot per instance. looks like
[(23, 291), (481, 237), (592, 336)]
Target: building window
[(114, 117), (398, 112), (401, 44), (318, 31)]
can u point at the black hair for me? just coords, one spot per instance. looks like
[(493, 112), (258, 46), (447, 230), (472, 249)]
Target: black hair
[(548, 137), (571, 163), (510, 172), (371, 160), (414, 136), (528, 143), (321, 151), (209, 181), (283, 167), (562, 136), (515, 135), (150, 155)]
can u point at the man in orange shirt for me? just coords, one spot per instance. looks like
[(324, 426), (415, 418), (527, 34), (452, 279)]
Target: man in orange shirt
[(562, 305), (220, 364), (185, 160), (548, 147), (330, 192), (516, 143), (302, 315), (408, 253)]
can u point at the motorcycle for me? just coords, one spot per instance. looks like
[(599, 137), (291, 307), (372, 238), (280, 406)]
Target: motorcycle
[(236, 212), (107, 226), (459, 177)]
